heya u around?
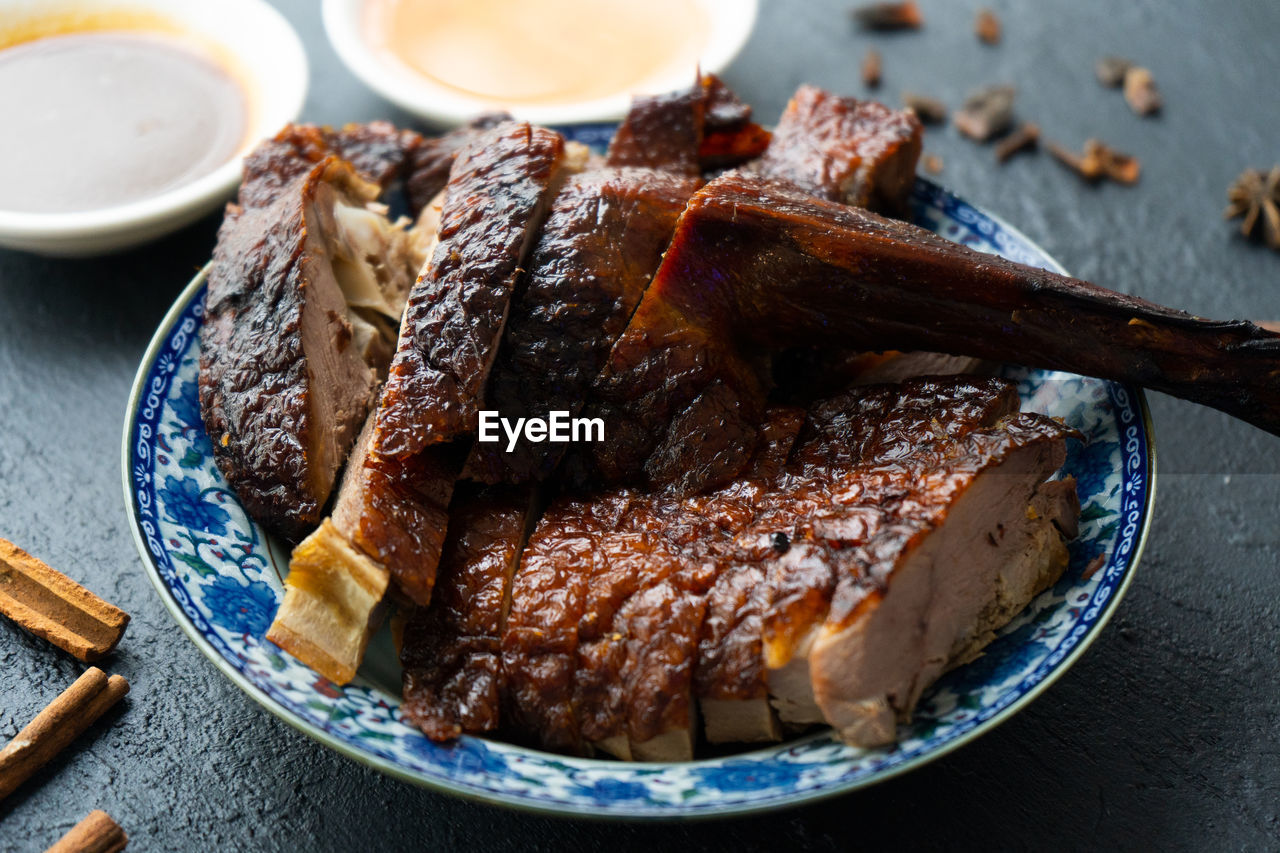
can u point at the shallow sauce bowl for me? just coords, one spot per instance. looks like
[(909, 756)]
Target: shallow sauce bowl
[(730, 24), (255, 45)]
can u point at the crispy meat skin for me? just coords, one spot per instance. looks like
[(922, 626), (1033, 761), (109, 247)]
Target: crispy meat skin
[(842, 149), (452, 650), (456, 311), (397, 510), (282, 391), (688, 132), (628, 605), (757, 265), (427, 169), (378, 151), (602, 241)]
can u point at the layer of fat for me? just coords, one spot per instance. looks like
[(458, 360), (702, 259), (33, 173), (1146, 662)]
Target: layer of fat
[(330, 607)]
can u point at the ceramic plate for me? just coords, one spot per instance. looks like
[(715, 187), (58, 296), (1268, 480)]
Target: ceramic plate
[(220, 576)]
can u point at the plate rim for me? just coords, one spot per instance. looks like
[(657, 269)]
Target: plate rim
[(625, 813)]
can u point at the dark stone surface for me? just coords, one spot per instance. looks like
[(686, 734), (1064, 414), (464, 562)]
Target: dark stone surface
[(1166, 735)]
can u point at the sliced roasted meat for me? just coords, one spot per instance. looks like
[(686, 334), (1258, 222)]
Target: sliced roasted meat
[(842, 149), (499, 187), (307, 282), (388, 524), (452, 650), (934, 522), (756, 266), (378, 151), (603, 629), (688, 132), (427, 168), (602, 241), (397, 510), (632, 610)]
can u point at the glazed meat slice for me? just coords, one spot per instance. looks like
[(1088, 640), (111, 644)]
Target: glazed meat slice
[(632, 610), (427, 168), (602, 241), (378, 151), (499, 187), (397, 510), (307, 281), (610, 609), (755, 266), (388, 524), (842, 149), (452, 652), (548, 602), (603, 628), (688, 132), (932, 521), (729, 680)]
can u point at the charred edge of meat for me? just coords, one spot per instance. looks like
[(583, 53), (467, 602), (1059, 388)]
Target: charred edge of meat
[(300, 309), (452, 653), (857, 152), (378, 151), (602, 241), (499, 188), (427, 169), (689, 132)]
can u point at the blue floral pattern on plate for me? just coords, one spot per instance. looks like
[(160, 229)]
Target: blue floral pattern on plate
[(221, 578)]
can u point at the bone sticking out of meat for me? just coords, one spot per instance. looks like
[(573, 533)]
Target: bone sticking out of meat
[(602, 241), (499, 188), (452, 652), (307, 282), (842, 149), (760, 264), (688, 132), (397, 510), (330, 606), (385, 526)]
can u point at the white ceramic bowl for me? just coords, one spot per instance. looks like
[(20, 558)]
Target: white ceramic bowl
[(261, 49), (731, 22)]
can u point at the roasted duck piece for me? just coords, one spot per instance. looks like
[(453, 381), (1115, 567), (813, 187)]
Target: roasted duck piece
[(305, 290), (602, 241), (452, 650), (842, 149), (427, 168), (756, 266), (688, 132), (632, 609), (499, 188)]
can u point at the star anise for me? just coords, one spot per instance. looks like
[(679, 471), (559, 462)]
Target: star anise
[(1256, 197)]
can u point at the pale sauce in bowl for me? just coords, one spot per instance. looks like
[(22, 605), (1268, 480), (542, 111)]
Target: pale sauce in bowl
[(545, 52), (103, 118)]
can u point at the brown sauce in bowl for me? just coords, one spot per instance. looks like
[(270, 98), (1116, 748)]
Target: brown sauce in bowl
[(103, 118)]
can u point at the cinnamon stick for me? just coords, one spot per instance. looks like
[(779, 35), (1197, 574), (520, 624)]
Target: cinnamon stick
[(51, 605), (61, 722), (97, 833)]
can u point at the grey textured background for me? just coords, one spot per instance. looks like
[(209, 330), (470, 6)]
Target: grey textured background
[(1166, 734)]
